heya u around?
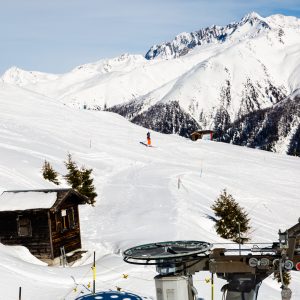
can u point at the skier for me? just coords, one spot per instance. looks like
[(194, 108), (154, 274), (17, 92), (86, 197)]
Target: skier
[(148, 139)]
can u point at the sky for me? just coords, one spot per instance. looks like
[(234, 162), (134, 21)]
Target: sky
[(56, 36)]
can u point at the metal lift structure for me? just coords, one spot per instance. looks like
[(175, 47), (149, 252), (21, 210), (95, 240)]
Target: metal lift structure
[(244, 269)]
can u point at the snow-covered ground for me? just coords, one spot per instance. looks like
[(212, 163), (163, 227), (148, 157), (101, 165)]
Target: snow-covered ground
[(139, 200)]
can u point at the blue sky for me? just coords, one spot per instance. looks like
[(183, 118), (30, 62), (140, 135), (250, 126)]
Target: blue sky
[(57, 35)]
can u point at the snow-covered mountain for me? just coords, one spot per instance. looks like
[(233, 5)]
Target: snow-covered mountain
[(104, 83), (249, 26), (276, 128), (139, 199), (205, 79), (255, 64)]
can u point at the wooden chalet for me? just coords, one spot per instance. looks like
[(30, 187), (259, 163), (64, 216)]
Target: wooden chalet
[(41, 220), (202, 134)]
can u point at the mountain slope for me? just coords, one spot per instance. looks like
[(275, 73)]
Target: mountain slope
[(139, 199), (101, 84), (275, 129), (257, 68)]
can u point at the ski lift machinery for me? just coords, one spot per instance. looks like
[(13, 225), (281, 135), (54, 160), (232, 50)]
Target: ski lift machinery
[(244, 269)]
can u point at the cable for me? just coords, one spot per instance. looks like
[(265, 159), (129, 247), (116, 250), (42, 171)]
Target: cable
[(75, 284), (105, 282), (117, 272)]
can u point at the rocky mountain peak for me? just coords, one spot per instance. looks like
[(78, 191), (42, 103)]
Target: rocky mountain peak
[(254, 19), (253, 16), (185, 42)]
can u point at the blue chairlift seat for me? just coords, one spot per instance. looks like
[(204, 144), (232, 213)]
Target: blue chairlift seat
[(110, 296)]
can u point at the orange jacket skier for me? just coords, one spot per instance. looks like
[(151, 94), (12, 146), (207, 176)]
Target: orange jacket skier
[(148, 139)]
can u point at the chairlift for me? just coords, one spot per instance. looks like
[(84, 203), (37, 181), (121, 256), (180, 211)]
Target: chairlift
[(110, 295)]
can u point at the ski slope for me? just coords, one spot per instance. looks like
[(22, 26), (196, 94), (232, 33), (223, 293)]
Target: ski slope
[(139, 200)]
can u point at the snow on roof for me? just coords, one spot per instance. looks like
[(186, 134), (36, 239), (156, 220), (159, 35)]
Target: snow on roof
[(11, 200)]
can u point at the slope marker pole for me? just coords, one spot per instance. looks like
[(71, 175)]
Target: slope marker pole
[(94, 273), (212, 287)]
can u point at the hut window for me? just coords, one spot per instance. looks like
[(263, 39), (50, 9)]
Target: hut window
[(65, 219), (24, 226)]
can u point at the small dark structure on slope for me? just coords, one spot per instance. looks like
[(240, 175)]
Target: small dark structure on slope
[(202, 134), (41, 220)]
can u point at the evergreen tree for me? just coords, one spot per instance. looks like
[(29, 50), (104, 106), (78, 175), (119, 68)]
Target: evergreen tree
[(232, 218), (49, 173), (80, 180), (286, 276), (87, 188), (73, 177)]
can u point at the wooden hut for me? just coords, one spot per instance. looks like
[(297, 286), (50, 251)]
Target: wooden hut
[(202, 134), (44, 221)]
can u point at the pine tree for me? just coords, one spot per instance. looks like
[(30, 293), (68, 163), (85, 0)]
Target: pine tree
[(286, 276), (87, 188), (232, 218), (80, 179), (73, 176), (49, 173)]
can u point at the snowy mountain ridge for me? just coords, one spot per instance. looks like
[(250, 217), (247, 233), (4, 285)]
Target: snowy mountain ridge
[(20, 77), (184, 42), (249, 27), (206, 79)]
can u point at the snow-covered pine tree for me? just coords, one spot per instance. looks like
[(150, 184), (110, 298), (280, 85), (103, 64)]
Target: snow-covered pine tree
[(87, 188), (73, 177), (80, 179), (49, 173), (231, 218)]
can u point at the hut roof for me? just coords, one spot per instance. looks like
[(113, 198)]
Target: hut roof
[(203, 131), (19, 200)]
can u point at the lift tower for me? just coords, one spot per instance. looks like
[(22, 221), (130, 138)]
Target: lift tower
[(244, 269)]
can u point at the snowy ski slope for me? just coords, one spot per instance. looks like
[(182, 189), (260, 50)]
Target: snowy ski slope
[(139, 200)]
